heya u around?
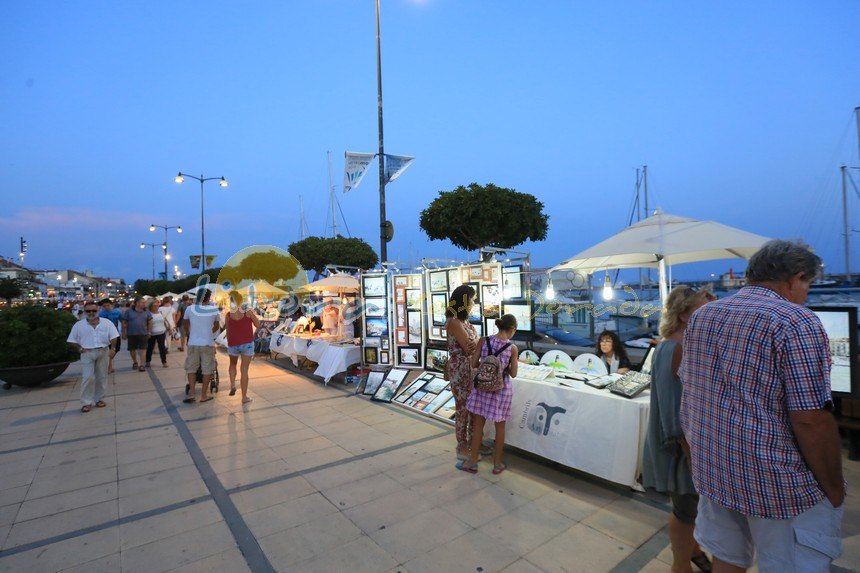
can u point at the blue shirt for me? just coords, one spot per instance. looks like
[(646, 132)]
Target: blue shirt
[(114, 316)]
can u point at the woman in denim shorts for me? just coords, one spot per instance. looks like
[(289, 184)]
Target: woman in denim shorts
[(241, 323)]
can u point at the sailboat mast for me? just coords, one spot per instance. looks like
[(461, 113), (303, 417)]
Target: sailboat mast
[(846, 236), (857, 115), (645, 181), (332, 199), (303, 224)]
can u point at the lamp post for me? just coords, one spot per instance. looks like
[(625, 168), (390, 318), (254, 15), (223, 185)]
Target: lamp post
[(383, 231), (180, 178), (153, 245), (166, 228)]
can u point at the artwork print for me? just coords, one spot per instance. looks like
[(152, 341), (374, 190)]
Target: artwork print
[(447, 410), (376, 327), (438, 401), (437, 359), (389, 386), (414, 321), (491, 298), (403, 396), (415, 281), (401, 336), (438, 303), (410, 356), (374, 285), (512, 286), (475, 273), (454, 279), (439, 281), (374, 381), (371, 355), (383, 357), (522, 312), (413, 299), (401, 281), (375, 307)]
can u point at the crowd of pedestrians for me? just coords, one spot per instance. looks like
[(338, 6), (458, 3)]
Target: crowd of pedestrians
[(740, 435)]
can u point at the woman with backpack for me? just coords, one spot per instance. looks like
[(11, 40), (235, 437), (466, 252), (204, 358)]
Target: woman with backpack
[(496, 363)]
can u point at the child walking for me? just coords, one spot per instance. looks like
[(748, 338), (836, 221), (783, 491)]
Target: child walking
[(493, 406)]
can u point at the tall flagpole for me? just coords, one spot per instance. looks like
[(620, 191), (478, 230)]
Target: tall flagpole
[(383, 247)]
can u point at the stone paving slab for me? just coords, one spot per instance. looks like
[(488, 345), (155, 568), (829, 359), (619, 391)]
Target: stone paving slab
[(310, 478)]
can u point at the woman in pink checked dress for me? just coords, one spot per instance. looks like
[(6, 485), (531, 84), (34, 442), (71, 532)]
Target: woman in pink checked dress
[(493, 406)]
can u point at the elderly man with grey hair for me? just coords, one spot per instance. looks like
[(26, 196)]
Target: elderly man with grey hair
[(765, 449)]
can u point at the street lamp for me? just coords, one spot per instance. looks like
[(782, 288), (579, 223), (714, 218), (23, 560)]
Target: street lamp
[(166, 228), (383, 228), (153, 245), (180, 178)]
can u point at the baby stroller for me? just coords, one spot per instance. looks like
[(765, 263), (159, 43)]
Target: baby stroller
[(213, 383)]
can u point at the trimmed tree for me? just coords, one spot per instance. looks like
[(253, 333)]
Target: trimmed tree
[(314, 253), (485, 216)]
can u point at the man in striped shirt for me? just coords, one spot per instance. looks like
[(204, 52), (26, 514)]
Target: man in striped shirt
[(765, 450)]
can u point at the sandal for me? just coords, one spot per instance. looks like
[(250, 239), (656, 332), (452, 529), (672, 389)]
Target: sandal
[(499, 469), (141, 369), (206, 399), (100, 404), (189, 400), (473, 469), (247, 400), (233, 391), (702, 562), (134, 366), (164, 364), (86, 408)]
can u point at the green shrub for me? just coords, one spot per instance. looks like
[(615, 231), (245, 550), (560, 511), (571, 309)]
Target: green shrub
[(32, 335)]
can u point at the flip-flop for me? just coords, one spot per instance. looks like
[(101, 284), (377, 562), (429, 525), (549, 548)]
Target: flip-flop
[(702, 562), (164, 364), (141, 369), (232, 391), (499, 469), (189, 400), (134, 366), (100, 404), (247, 400), (206, 399), (465, 457), (473, 469), (86, 408)]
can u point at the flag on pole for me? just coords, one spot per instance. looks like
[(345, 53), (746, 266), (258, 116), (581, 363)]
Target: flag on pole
[(195, 261), (355, 166), (395, 165)]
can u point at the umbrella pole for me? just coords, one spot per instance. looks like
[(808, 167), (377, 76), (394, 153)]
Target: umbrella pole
[(664, 291)]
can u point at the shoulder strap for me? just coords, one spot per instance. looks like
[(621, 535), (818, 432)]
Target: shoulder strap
[(500, 350), (489, 348)]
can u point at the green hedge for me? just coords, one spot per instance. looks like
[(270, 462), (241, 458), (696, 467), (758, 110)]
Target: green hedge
[(31, 335)]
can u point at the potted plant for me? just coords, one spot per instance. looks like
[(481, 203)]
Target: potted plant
[(33, 347)]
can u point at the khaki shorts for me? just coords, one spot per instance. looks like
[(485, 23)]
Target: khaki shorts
[(200, 358)]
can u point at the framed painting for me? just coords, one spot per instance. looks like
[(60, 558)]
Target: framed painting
[(415, 281), (374, 381), (402, 337), (454, 279), (477, 288), (415, 397), (409, 356), (400, 294), (383, 357), (375, 307), (475, 273), (475, 313), (464, 275), (491, 298), (374, 285), (401, 315), (487, 274), (411, 389), (438, 401), (372, 341), (521, 311), (436, 359), (376, 327), (388, 388), (415, 333), (384, 343), (447, 410), (401, 281), (439, 281), (413, 299), (371, 355), (512, 282), (438, 303), (490, 327)]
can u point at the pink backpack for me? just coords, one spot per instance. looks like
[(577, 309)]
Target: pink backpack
[(490, 376)]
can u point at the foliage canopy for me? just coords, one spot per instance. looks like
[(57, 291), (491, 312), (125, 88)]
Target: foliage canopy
[(485, 216), (9, 289), (314, 253)]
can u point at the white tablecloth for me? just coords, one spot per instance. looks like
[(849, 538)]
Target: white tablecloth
[(582, 427), (335, 359)]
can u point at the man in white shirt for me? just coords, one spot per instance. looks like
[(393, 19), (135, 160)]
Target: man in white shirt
[(167, 311), (94, 337), (202, 322)]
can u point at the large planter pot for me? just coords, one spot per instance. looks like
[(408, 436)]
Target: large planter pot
[(31, 376)]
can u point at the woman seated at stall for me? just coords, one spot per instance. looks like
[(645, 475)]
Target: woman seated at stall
[(300, 323), (612, 352)]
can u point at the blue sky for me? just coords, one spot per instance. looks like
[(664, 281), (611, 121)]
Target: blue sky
[(742, 112)]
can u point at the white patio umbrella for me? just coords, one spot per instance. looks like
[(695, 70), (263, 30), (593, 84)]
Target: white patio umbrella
[(337, 283), (663, 239)]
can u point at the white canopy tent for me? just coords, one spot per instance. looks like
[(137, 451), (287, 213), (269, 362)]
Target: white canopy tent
[(663, 239), (334, 283)]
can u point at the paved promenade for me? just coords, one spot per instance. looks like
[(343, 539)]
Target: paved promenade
[(309, 479)]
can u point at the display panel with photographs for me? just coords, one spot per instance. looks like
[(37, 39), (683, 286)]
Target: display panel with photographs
[(409, 356), (389, 387), (512, 282), (436, 359), (374, 381), (439, 281), (522, 311), (840, 324)]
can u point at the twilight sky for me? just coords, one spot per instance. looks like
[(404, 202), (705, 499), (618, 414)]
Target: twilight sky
[(742, 111)]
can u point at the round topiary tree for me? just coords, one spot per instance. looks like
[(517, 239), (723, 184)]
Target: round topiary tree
[(34, 335), (484, 216)]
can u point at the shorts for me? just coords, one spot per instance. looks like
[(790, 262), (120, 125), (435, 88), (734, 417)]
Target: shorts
[(806, 543), (246, 349), (200, 358), (685, 507), (117, 344), (136, 341), (181, 330)]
